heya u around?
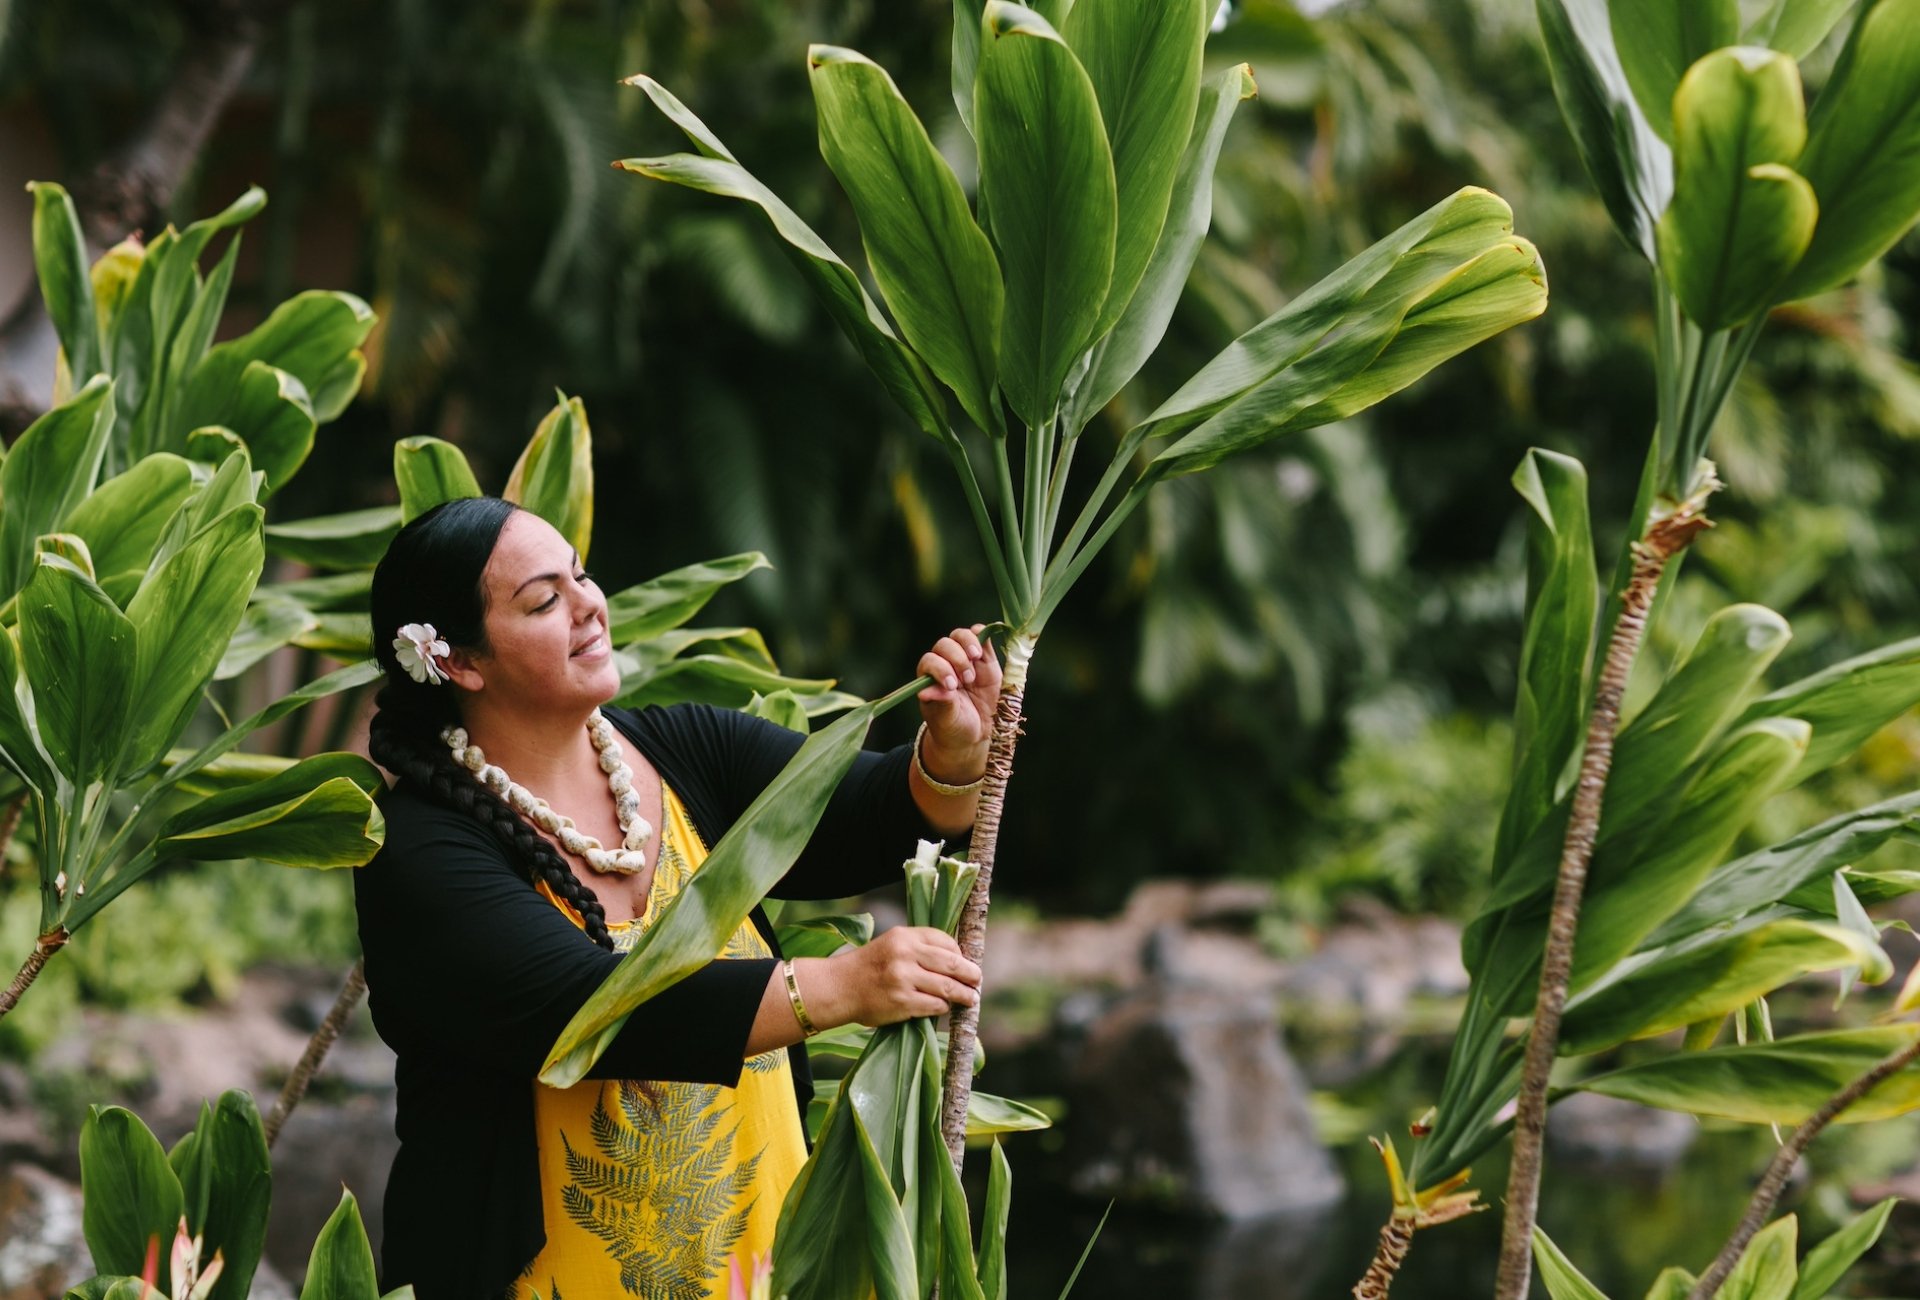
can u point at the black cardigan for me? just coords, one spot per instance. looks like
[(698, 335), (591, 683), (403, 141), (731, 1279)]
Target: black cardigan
[(471, 976)]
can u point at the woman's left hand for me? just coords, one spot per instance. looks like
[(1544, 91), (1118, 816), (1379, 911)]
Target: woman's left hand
[(959, 706)]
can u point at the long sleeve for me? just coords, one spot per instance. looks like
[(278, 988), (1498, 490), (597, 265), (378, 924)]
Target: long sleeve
[(477, 969), (723, 759)]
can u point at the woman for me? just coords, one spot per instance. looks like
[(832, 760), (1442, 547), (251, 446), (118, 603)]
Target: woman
[(488, 918)]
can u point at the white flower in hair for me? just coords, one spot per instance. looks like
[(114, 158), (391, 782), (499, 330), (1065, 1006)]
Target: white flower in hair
[(416, 647)]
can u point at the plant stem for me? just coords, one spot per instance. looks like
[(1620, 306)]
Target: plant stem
[(1396, 1238), (1767, 1193), (963, 1027), (43, 947), (982, 521), (317, 1048), (1664, 538), (1010, 524)]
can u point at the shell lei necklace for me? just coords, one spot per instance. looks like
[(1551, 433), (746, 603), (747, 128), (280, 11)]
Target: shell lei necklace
[(623, 861)]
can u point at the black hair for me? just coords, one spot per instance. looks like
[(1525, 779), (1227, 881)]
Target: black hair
[(434, 572)]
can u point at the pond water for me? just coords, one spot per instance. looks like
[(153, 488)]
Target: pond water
[(1620, 1223)]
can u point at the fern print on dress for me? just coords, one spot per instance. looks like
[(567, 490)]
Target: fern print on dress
[(660, 1189)]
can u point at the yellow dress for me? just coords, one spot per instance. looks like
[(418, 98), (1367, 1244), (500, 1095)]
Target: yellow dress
[(649, 1189)]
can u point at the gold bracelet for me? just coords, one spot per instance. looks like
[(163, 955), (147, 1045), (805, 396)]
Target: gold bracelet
[(799, 1007), (941, 787)]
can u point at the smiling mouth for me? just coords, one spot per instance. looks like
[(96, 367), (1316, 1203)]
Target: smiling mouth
[(597, 641)]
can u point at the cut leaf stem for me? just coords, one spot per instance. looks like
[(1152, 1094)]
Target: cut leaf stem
[(43, 948)]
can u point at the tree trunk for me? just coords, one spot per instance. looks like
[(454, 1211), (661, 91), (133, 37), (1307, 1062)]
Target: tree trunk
[(964, 1026), (130, 189), (317, 1048), (132, 186), (1767, 1193), (43, 947), (1663, 539)]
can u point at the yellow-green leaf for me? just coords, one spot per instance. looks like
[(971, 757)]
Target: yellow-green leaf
[(1741, 217), (554, 475)]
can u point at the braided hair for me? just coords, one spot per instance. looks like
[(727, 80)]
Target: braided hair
[(433, 572)]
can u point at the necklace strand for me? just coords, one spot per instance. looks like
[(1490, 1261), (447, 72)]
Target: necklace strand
[(635, 829)]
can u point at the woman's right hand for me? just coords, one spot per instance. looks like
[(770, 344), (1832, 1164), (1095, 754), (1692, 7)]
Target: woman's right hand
[(899, 974)]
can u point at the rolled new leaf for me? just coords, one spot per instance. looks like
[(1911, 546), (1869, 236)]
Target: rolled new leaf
[(1781, 1082), (1741, 217), (1863, 148), (749, 859), (554, 475), (1047, 188), (430, 472), (933, 264)]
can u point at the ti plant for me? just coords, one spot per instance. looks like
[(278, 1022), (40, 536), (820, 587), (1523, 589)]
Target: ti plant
[(877, 1209), (131, 540), (1030, 306), (208, 1196), (1695, 134), (1771, 1270)]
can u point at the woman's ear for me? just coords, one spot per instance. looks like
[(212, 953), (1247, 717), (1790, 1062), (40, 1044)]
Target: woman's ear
[(460, 669)]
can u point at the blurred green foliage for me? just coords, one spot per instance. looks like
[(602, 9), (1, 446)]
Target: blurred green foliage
[(189, 940), (1228, 694)]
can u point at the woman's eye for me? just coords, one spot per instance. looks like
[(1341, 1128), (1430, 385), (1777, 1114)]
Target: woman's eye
[(584, 578), (547, 604)]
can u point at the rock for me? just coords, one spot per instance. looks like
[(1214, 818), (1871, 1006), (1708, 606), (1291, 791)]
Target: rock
[(42, 1252), (1185, 1097), (1589, 1129), (163, 1069), (323, 1146), (1367, 972)]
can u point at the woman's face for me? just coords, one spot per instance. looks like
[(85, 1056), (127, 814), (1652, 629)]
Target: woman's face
[(546, 622)]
